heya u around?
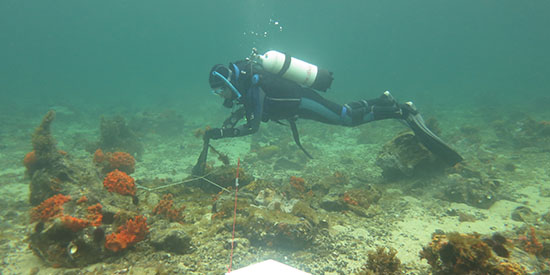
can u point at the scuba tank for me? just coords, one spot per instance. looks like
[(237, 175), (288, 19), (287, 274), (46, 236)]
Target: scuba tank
[(296, 70)]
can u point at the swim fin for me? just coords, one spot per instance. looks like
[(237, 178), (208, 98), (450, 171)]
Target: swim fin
[(430, 140)]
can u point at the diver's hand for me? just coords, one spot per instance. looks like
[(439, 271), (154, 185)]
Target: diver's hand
[(214, 133)]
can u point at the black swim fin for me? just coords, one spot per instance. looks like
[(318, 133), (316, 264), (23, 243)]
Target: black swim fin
[(430, 140), (296, 136)]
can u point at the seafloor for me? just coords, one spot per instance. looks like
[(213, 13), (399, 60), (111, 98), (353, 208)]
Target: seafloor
[(506, 156)]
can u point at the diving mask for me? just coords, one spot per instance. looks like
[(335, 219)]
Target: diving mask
[(227, 83)]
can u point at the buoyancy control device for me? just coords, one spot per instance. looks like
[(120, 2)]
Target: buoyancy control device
[(294, 69)]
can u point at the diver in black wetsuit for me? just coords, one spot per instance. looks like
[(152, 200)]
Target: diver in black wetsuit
[(263, 96)]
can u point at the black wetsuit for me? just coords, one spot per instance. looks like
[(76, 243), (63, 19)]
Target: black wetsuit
[(266, 96)]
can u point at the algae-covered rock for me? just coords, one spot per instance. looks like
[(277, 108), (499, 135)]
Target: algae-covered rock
[(224, 207), (46, 165), (273, 200), (523, 131), (382, 262), (326, 183), (332, 202), (466, 184), (268, 197), (471, 191), (360, 200), (404, 156), (223, 176), (45, 152), (357, 201), (115, 135), (240, 243), (302, 209), (267, 224), (58, 245), (277, 229), (72, 210), (457, 253), (524, 214), (170, 237)]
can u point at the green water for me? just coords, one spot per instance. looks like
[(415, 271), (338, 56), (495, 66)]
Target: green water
[(159, 52), (480, 67)]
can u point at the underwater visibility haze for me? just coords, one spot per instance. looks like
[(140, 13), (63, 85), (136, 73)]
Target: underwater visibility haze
[(103, 105)]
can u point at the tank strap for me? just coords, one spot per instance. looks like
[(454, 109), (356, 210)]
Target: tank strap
[(286, 65)]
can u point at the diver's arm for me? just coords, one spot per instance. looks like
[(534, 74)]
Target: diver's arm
[(235, 116), (253, 117)]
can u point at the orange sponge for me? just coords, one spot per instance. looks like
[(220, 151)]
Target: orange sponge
[(119, 182)]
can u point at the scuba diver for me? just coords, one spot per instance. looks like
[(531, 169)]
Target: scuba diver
[(275, 86)]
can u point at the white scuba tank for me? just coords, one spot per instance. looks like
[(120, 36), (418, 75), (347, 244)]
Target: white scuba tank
[(296, 70)]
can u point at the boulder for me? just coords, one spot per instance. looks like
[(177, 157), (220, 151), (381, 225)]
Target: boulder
[(170, 237), (404, 156)]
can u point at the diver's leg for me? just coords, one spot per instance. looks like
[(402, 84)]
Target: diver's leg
[(315, 107), (384, 107), (387, 107), (320, 110), (364, 111)]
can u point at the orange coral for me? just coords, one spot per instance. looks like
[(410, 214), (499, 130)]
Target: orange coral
[(82, 200), (119, 182), (340, 178), (218, 214), (298, 183), (53, 208), (94, 214), (530, 243), (74, 224), (121, 161), (510, 268), (30, 160), (50, 208), (348, 199), (93, 218), (99, 157), (457, 253), (116, 160), (134, 231), (166, 208)]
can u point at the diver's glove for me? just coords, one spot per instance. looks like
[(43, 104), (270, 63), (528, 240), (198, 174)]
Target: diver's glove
[(214, 133), (217, 133)]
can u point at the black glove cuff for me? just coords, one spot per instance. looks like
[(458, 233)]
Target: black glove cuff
[(230, 132), (215, 133)]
